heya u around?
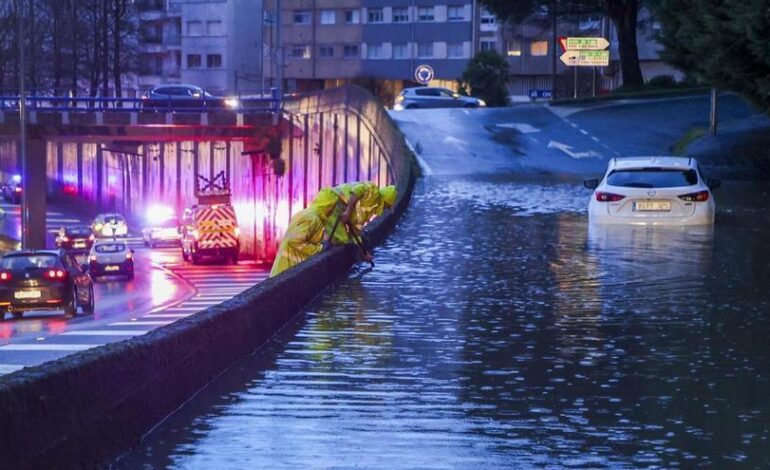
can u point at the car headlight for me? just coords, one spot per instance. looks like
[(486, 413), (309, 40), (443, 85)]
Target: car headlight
[(482, 103), (398, 107), (232, 103)]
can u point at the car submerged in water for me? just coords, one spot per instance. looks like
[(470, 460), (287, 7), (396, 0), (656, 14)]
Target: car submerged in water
[(652, 191)]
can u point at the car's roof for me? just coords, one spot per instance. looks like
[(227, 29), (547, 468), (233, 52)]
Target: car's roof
[(34, 252), (183, 85), (110, 241), (657, 161)]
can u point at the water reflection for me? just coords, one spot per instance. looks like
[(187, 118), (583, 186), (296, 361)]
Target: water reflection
[(505, 334)]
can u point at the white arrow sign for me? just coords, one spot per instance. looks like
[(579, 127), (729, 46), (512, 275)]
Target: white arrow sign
[(572, 153), (585, 44), (586, 58)]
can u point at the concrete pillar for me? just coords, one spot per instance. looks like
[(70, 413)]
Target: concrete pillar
[(34, 203), (99, 178)]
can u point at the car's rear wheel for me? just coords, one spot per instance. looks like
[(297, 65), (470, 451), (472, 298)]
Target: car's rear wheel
[(88, 309), (71, 309)]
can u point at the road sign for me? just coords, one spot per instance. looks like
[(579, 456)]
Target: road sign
[(584, 44), (539, 93), (586, 58), (423, 74)]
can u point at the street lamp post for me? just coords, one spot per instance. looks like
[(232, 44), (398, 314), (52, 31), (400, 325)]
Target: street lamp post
[(25, 216)]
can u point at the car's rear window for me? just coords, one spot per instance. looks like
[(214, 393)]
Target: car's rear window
[(78, 231), (110, 248), (114, 219), (652, 178), (22, 262)]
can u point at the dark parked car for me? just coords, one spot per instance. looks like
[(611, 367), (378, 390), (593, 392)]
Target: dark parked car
[(11, 192), (78, 238), (172, 97), (44, 280)]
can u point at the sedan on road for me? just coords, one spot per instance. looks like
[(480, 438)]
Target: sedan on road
[(111, 258), (434, 97), (77, 238), (44, 280), (652, 191), (170, 97)]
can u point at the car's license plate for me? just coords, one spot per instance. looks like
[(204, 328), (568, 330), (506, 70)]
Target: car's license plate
[(112, 268), (79, 244), (27, 294), (652, 206)]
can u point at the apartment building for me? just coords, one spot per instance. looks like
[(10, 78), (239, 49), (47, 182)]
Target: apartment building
[(327, 43), (215, 44)]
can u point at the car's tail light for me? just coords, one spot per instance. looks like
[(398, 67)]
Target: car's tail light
[(5, 276), (57, 274), (129, 255), (17, 189), (699, 196), (92, 258), (608, 197), (91, 237), (64, 239)]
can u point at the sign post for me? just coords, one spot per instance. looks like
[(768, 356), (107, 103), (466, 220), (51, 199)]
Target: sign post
[(585, 52)]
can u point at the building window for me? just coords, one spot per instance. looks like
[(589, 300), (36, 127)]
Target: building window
[(300, 52), (400, 15), (194, 28), (214, 28), (538, 48), (514, 48), (214, 61), (352, 16), (325, 52), (327, 17), (487, 17), (487, 44), (193, 61), (374, 51), (302, 17), (350, 51), (401, 51), (455, 13), (374, 15), (455, 50), (425, 50), (425, 14)]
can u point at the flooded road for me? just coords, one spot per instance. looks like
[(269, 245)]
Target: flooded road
[(499, 330)]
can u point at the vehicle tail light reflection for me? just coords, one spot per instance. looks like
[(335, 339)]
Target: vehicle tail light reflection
[(57, 274), (5, 276), (608, 197), (700, 196)]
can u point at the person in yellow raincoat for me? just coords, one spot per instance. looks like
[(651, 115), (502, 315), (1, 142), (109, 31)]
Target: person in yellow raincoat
[(303, 239), (353, 204)]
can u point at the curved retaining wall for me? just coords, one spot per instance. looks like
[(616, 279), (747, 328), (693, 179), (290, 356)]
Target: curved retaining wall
[(84, 409)]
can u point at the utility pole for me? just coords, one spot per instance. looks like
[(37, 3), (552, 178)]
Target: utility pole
[(713, 121), (554, 42), (25, 229), (279, 46)]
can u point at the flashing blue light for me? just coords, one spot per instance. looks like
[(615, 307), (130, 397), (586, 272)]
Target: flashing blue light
[(16, 178)]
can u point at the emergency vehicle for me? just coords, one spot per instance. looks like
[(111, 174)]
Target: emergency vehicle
[(210, 227)]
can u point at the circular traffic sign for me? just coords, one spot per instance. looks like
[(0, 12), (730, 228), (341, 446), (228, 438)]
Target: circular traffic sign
[(423, 74)]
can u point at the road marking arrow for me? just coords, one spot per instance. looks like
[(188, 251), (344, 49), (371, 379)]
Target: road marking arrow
[(572, 153)]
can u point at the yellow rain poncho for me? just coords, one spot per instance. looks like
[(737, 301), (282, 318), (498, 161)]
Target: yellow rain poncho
[(303, 239)]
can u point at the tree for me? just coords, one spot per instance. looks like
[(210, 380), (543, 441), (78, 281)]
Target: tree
[(486, 77), (623, 14), (720, 42)]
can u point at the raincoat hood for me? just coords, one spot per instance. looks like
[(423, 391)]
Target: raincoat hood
[(388, 195)]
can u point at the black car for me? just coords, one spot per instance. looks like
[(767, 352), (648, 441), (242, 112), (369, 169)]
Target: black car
[(78, 238), (172, 97), (11, 192), (44, 280)]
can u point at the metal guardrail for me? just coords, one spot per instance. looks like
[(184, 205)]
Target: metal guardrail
[(91, 104)]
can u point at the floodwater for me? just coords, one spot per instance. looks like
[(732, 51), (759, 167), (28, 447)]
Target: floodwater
[(499, 330)]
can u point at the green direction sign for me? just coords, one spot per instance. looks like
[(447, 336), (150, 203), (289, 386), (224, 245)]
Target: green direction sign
[(585, 44), (586, 58)]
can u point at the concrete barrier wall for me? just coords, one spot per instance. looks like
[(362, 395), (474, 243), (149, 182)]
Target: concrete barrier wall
[(84, 409)]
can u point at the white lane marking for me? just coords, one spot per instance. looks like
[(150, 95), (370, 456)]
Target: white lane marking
[(8, 368), (573, 124), (595, 139), (572, 153), (182, 309), (105, 333), (465, 111), (522, 127), (459, 143), (167, 315), (583, 132), (48, 347), (426, 170), (140, 323)]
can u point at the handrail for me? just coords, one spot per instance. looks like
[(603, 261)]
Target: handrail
[(101, 104)]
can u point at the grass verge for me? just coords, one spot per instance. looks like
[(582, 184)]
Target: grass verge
[(680, 146)]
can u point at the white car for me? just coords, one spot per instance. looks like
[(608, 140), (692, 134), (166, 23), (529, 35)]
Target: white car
[(165, 232), (109, 225), (111, 258), (652, 191)]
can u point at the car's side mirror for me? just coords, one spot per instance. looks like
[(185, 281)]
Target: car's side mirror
[(593, 183), (714, 184)]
